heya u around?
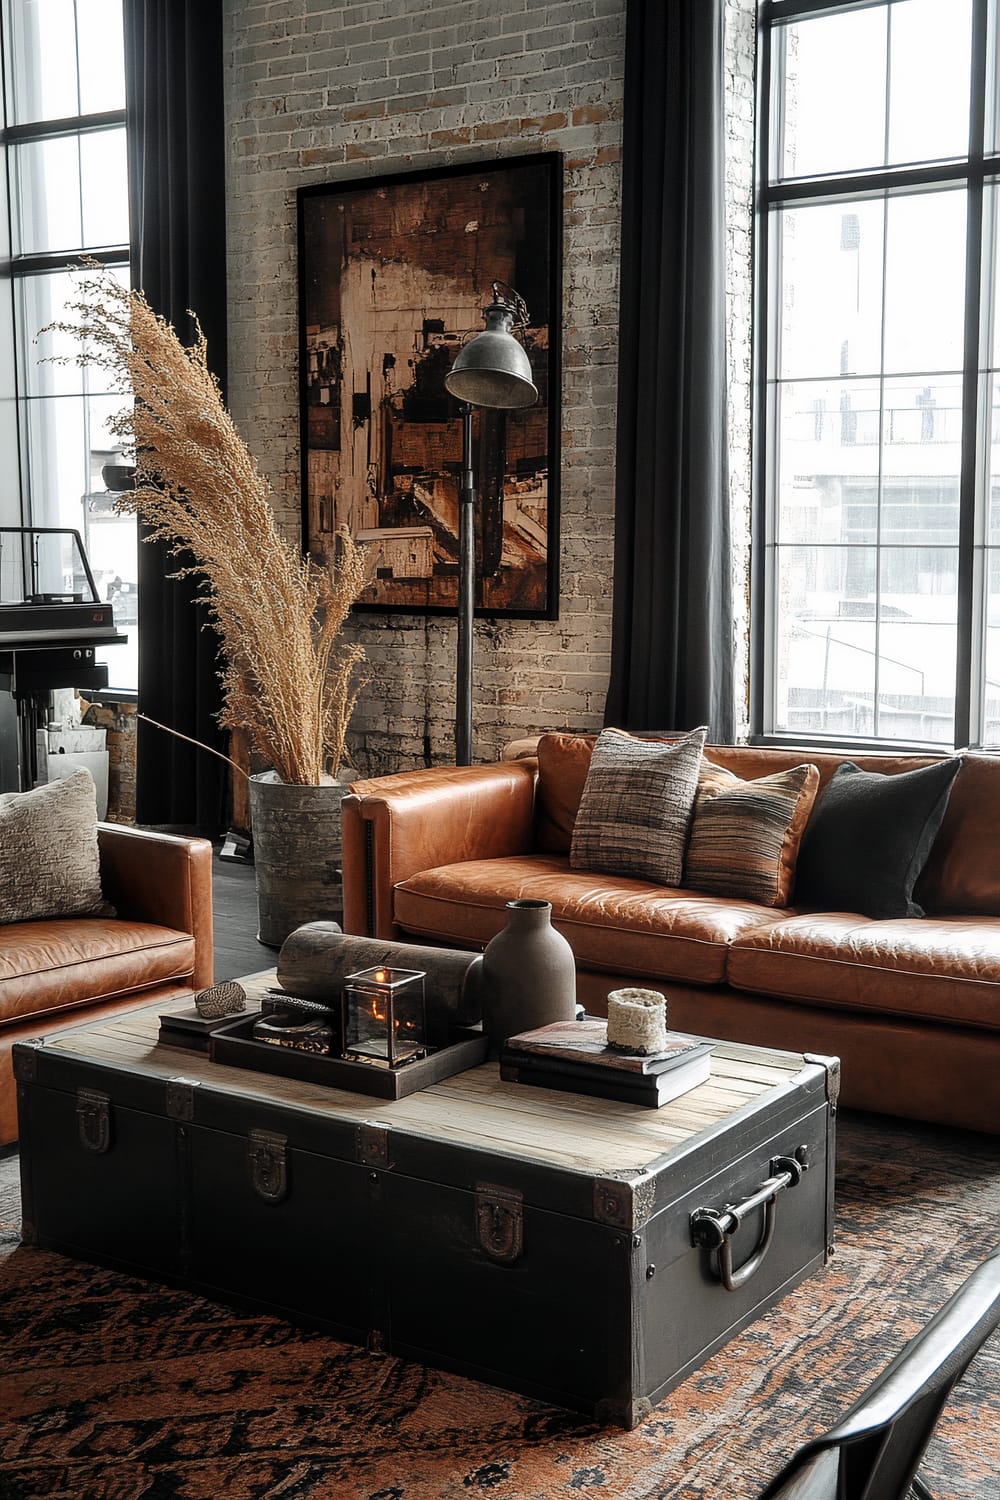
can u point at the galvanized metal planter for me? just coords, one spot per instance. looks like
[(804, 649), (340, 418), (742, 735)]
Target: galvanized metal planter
[(297, 853)]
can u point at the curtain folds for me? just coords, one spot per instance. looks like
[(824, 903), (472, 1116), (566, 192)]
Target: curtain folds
[(174, 92), (672, 634)]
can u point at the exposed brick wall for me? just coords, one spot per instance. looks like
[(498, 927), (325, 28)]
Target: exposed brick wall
[(318, 91), (119, 720)]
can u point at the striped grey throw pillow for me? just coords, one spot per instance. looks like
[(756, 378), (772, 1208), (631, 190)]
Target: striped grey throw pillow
[(636, 806), (745, 835)]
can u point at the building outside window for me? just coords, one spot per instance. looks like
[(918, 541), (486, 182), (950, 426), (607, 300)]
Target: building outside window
[(877, 557), (64, 161)]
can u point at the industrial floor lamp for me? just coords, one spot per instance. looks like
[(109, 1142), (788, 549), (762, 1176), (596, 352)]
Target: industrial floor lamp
[(491, 370)]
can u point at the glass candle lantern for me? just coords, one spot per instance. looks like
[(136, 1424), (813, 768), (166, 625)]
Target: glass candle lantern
[(384, 1021)]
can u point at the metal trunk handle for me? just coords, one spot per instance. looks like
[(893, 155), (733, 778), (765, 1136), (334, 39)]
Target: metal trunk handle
[(713, 1229)]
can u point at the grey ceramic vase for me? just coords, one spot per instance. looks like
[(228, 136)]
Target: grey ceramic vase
[(529, 974)]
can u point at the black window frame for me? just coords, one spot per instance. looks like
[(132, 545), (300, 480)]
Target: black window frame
[(16, 267), (973, 174)]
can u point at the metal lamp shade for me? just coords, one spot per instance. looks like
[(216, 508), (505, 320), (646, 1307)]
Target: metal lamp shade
[(493, 369)]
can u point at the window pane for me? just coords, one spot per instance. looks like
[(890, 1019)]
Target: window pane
[(41, 61), (831, 289), (58, 459), (917, 638), (865, 380), (102, 55), (70, 442), (47, 194), (42, 300), (105, 188), (825, 640), (991, 651), (991, 220), (834, 71), (111, 543), (929, 87), (993, 477), (922, 435), (828, 463), (925, 282)]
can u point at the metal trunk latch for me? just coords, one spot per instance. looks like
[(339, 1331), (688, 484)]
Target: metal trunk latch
[(713, 1229), (268, 1159), (93, 1119), (500, 1222)]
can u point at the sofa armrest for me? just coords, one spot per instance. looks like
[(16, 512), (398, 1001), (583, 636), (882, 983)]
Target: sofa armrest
[(161, 878), (395, 826)]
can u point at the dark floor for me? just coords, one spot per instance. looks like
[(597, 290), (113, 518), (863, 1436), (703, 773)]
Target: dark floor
[(234, 900)]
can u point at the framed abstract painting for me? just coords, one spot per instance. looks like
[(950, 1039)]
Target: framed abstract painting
[(394, 274)]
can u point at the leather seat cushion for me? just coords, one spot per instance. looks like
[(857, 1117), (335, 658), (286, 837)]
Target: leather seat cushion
[(617, 922), (51, 966), (940, 968)]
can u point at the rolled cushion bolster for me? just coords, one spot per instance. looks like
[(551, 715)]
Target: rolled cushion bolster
[(317, 958)]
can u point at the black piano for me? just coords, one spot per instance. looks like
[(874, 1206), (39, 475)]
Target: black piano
[(51, 626)]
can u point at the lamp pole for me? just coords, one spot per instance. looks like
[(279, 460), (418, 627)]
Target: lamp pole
[(491, 370), (466, 595)]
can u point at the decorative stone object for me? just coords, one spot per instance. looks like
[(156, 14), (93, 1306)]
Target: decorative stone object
[(529, 974), (637, 1021), (225, 999)]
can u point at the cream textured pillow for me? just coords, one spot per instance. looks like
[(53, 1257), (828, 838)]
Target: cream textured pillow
[(636, 806), (745, 835), (49, 861)]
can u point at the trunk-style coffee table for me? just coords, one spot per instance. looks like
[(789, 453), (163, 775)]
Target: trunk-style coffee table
[(582, 1251)]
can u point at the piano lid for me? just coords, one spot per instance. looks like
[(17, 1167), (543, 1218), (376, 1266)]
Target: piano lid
[(47, 591)]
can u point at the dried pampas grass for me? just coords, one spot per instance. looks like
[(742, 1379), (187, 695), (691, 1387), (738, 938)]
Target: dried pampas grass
[(288, 679)]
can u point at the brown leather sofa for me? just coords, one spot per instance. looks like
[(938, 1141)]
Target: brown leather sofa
[(911, 1006), (58, 973)]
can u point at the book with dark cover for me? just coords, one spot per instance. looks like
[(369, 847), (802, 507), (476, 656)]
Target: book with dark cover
[(574, 1056), (585, 1044), (648, 1089)]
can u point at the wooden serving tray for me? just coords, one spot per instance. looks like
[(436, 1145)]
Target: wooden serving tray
[(235, 1046)]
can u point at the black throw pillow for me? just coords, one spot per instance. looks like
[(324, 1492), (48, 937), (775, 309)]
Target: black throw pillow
[(869, 837)]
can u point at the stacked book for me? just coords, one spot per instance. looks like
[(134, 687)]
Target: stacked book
[(575, 1056)]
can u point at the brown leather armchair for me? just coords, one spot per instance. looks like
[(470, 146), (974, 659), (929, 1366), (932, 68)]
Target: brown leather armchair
[(78, 970)]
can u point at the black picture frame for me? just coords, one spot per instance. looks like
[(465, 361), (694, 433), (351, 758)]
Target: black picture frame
[(394, 272)]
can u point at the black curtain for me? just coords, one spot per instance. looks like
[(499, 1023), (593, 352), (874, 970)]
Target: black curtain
[(174, 93), (672, 640)]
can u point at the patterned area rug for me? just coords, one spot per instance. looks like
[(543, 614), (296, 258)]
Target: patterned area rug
[(115, 1389)]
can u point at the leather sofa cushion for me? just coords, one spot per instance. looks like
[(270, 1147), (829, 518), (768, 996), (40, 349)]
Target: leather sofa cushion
[(617, 922), (51, 966), (941, 968)]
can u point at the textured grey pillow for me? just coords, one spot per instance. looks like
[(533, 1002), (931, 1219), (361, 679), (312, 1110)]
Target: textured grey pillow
[(636, 807), (49, 861)]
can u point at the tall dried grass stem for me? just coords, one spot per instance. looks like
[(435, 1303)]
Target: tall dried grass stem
[(288, 679)]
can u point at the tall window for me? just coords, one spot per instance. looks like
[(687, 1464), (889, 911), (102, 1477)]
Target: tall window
[(67, 190), (877, 591)]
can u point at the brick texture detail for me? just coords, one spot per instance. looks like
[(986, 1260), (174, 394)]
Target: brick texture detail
[(318, 92)]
